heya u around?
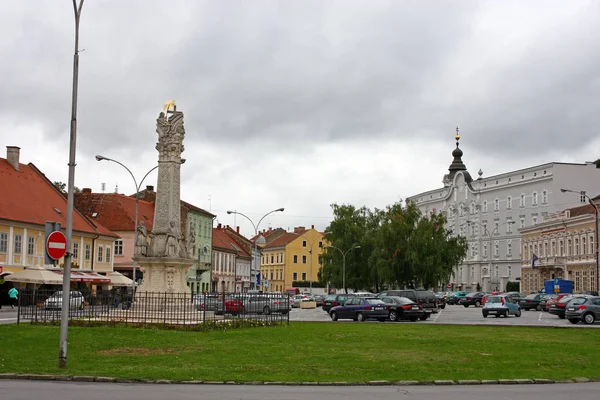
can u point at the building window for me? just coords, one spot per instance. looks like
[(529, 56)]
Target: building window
[(304, 243), (485, 206), (545, 249), (88, 251), (295, 276), (509, 268), (522, 223), (30, 246), (304, 276), (534, 219), (545, 197), (553, 248), (18, 244), (496, 204), (118, 248), (561, 248), (295, 259), (271, 275), (496, 249), (592, 251), (508, 203), (582, 198), (272, 259), (485, 229), (107, 255), (75, 251), (485, 250), (321, 244), (472, 251), (496, 271), (100, 254), (3, 242), (576, 247), (509, 249), (303, 259), (583, 246), (496, 226), (509, 225), (522, 201), (534, 199)]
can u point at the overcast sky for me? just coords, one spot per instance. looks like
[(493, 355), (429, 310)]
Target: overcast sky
[(301, 104)]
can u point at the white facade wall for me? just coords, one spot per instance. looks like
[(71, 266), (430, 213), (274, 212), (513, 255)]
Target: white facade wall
[(489, 212)]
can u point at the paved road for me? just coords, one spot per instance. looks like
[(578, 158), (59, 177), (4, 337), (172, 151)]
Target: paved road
[(27, 390), (8, 315), (456, 314)]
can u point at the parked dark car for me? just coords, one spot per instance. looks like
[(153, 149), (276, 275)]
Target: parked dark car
[(440, 300), (360, 309), (531, 302), (472, 299), (334, 300), (583, 309), (544, 300), (516, 296), (319, 299), (560, 307), (455, 298), (402, 308), (426, 298)]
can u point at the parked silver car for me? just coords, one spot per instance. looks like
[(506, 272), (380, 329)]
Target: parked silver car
[(583, 309), (500, 304), (76, 300)]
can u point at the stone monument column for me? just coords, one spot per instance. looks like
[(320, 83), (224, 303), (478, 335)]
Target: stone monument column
[(166, 260)]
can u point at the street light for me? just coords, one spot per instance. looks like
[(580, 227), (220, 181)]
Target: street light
[(137, 201), (256, 232), (344, 262), (584, 194)]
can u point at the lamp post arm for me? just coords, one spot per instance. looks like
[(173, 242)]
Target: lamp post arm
[(142, 181), (263, 217), (248, 218)]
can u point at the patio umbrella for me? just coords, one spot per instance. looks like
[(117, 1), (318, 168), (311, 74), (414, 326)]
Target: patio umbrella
[(37, 274), (118, 279)]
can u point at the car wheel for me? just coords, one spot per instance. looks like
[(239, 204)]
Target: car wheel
[(266, 310), (381, 319), (424, 317), (573, 320), (466, 305), (561, 316), (506, 314), (538, 308), (477, 303), (414, 319), (360, 317), (334, 316), (443, 306), (497, 315), (518, 313), (393, 316), (485, 315), (589, 318)]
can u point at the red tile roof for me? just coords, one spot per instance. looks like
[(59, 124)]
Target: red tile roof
[(581, 210), (28, 196), (115, 210), (281, 241), (223, 242)]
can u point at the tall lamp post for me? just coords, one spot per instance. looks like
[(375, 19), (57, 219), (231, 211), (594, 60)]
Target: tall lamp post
[(64, 315), (137, 202), (344, 262), (583, 193), (256, 231)]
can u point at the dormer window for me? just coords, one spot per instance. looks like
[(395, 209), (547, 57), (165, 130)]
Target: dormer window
[(508, 203)]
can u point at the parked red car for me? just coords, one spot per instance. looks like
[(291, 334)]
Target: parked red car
[(554, 299)]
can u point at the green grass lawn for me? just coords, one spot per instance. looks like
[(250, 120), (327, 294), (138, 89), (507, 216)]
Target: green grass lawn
[(324, 352)]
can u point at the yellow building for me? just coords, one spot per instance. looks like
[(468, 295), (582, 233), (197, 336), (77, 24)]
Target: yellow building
[(30, 202), (564, 245), (292, 256)]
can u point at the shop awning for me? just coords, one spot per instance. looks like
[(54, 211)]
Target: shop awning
[(80, 276)]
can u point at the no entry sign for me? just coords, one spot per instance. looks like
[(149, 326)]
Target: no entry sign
[(56, 245)]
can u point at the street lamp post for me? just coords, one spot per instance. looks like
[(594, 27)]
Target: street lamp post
[(254, 257), (583, 193), (64, 316), (137, 201), (344, 262)]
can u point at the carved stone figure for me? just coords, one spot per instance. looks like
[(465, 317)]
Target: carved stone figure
[(172, 241), (191, 243), (141, 241)]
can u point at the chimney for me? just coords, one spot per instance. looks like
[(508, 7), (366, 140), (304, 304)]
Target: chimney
[(219, 226), (86, 191), (237, 229), (312, 227), (12, 156), (150, 188), (299, 229)]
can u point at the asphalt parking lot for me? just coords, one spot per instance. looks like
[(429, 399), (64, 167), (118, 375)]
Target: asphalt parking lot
[(460, 315)]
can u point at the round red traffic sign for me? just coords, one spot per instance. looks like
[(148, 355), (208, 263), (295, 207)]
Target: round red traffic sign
[(56, 245), (449, 285)]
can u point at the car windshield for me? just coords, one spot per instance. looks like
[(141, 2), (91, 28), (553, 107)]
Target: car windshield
[(565, 299), (331, 297), (577, 301), (494, 299), (374, 301), (531, 296)]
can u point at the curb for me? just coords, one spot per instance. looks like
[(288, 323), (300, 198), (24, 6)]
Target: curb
[(106, 379)]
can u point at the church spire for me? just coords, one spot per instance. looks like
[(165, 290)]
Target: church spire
[(457, 164)]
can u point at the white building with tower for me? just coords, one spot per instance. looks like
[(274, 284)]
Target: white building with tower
[(489, 212)]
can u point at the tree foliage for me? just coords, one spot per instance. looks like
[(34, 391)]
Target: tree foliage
[(398, 247)]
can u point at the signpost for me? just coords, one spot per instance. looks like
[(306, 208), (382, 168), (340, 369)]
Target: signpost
[(556, 285), (56, 245)]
